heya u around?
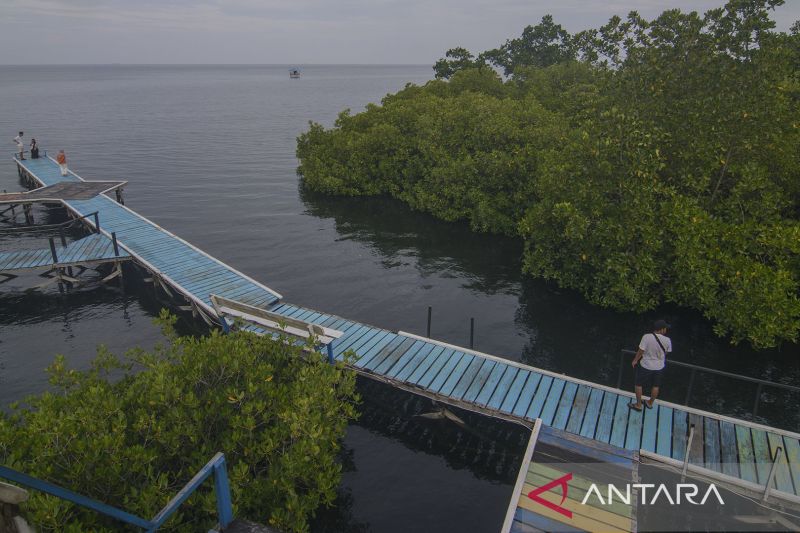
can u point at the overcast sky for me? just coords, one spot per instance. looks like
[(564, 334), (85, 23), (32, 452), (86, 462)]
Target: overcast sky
[(292, 31)]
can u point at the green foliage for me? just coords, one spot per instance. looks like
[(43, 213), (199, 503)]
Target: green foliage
[(132, 432), (643, 162)]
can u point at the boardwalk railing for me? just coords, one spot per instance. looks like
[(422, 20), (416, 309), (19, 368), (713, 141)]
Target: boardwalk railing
[(215, 466), (697, 368)]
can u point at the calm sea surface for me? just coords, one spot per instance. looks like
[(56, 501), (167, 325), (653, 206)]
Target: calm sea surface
[(208, 153)]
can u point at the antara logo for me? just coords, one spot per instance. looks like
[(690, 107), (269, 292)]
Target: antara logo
[(687, 491), (683, 492)]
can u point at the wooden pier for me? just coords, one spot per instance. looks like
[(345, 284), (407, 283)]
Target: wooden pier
[(723, 446)]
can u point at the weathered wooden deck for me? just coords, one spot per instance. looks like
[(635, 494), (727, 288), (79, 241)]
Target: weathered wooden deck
[(93, 248), (459, 376)]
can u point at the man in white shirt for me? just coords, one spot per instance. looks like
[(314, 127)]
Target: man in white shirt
[(20, 145), (653, 350)]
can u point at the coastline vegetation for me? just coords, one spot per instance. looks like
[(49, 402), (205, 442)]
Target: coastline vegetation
[(131, 432), (644, 162)]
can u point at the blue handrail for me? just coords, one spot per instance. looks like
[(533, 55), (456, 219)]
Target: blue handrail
[(215, 466)]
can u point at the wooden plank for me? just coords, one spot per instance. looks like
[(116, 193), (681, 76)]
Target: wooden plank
[(491, 383), (680, 428), (434, 378), (783, 477), (479, 381), (460, 384), (553, 397), (537, 405), (503, 387), (793, 456), (418, 360), (514, 391), (374, 356), (761, 455), (406, 359), (367, 343), (565, 405), (540, 523), (394, 357), (436, 358), (593, 406), (664, 440), (633, 435), (450, 374), (579, 409), (390, 341), (650, 428), (526, 394), (391, 355), (728, 449), (620, 423), (696, 451), (605, 419), (711, 444)]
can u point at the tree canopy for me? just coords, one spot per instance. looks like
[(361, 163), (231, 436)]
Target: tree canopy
[(643, 162), (131, 432)]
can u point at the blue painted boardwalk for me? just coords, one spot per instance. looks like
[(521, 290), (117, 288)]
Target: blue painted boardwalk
[(91, 249), (190, 271), (462, 377)]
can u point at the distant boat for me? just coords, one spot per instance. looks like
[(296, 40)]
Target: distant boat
[(294, 73)]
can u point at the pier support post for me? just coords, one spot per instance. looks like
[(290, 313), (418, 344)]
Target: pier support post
[(429, 322), (472, 333)]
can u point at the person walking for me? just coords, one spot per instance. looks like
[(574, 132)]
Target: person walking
[(652, 352), (61, 159), (20, 146)]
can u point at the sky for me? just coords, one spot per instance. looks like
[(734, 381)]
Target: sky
[(293, 31)]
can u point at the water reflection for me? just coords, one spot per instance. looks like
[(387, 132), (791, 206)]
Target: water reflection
[(555, 328)]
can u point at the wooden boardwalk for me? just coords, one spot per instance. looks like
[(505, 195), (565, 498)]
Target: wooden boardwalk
[(95, 248), (466, 378)]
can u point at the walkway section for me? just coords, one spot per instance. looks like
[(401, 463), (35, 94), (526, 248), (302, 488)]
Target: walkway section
[(190, 272), (95, 248)]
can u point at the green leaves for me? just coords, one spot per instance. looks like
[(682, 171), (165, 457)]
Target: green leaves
[(643, 162), (276, 412)]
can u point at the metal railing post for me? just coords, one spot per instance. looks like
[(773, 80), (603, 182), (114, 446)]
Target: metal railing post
[(621, 369), (689, 390), (61, 234), (758, 399), (114, 242), (96, 222), (329, 348), (223, 490)]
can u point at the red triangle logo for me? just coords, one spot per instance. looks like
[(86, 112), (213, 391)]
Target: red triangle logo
[(560, 482)]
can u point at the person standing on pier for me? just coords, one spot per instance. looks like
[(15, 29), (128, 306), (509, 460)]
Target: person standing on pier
[(61, 159), (34, 149), (652, 352), (20, 146)]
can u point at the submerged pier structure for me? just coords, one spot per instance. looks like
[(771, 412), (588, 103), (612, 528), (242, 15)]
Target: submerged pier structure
[(755, 456)]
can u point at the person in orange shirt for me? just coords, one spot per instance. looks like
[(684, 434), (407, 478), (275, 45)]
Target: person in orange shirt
[(61, 159)]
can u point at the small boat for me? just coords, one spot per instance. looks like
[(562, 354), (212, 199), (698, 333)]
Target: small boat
[(294, 73)]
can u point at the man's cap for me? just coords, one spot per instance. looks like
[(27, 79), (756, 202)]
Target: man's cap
[(660, 324)]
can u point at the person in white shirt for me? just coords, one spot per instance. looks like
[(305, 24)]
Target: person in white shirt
[(20, 146), (651, 357)]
